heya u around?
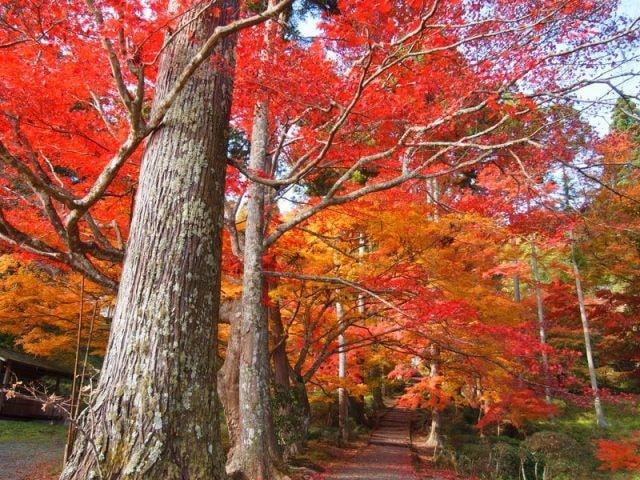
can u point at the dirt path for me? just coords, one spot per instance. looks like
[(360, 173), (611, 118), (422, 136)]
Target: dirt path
[(387, 457)]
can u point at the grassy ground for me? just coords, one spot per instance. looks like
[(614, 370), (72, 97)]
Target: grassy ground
[(31, 431), (623, 420)]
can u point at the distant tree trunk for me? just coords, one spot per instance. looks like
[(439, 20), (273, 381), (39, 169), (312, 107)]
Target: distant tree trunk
[(541, 320), (377, 390), (299, 388), (433, 195), (600, 418), (362, 250), (6, 375), (517, 297), (483, 404), (155, 412), (434, 441), (343, 399)]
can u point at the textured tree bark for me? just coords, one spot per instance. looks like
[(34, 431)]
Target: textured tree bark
[(155, 411), (541, 320), (300, 389), (600, 418), (433, 440), (281, 365), (255, 455), (294, 404), (229, 374)]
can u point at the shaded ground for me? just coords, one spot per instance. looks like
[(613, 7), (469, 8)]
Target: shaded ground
[(387, 457), (30, 450)]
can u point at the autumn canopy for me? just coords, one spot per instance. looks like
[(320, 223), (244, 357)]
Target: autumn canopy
[(253, 225)]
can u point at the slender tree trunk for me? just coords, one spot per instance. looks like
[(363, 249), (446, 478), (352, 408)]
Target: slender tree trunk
[(343, 400), (299, 388), (433, 195), (600, 418), (74, 407), (362, 250), (6, 376), (517, 296), (541, 320), (256, 455), (155, 411), (434, 441)]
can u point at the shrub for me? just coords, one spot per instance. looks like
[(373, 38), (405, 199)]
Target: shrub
[(555, 455)]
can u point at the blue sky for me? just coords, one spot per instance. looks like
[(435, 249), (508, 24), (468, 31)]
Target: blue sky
[(600, 117), (631, 7)]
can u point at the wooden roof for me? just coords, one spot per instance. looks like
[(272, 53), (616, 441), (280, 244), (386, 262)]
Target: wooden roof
[(33, 365)]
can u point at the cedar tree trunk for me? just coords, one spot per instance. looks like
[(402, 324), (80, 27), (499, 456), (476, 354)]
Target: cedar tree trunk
[(155, 412)]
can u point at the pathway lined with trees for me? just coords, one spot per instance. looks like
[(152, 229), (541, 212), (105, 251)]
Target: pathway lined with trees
[(386, 457)]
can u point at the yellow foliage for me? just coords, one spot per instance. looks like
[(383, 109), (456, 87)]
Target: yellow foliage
[(40, 307)]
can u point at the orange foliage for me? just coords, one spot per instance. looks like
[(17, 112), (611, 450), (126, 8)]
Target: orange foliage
[(39, 308)]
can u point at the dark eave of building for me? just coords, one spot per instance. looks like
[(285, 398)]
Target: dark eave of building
[(16, 359)]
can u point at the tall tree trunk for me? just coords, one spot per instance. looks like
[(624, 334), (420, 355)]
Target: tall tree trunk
[(600, 418), (343, 399), (256, 455), (541, 320), (155, 411), (434, 441), (517, 296)]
